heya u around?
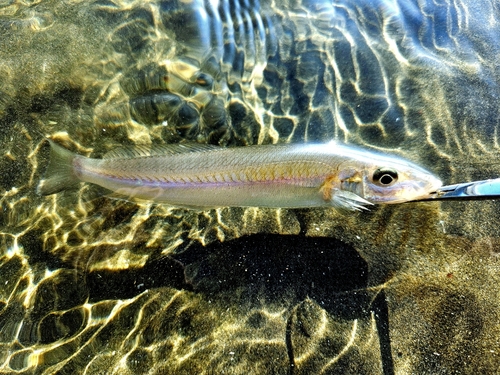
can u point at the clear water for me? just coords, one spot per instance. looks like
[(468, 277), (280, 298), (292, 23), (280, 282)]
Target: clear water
[(90, 284)]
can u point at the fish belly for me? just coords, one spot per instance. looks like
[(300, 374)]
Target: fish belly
[(247, 195)]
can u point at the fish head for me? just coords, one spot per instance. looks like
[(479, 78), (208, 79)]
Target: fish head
[(396, 181), (387, 179)]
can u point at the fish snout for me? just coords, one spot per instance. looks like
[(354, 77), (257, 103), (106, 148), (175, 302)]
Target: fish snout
[(421, 187)]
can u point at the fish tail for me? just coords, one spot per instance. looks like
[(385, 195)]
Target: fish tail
[(60, 173)]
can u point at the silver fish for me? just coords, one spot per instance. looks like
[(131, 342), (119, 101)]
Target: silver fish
[(281, 176)]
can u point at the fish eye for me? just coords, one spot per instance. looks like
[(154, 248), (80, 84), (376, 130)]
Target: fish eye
[(385, 176)]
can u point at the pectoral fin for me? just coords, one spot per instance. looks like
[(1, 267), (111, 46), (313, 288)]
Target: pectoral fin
[(346, 201)]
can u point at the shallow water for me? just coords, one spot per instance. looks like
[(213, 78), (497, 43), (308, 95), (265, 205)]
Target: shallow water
[(90, 284)]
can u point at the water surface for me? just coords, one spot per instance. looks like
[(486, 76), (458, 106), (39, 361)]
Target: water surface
[(90, 284)]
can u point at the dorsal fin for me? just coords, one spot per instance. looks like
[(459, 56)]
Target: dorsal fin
[(127, 152)]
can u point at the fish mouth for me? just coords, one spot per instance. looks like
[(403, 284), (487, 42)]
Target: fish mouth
[(427, 188), (430, 190)]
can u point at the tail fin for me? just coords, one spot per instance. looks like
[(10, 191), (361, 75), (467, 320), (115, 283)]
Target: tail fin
[(60, 173)]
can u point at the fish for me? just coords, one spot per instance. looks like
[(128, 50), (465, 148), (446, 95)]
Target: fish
[(198, 176)]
